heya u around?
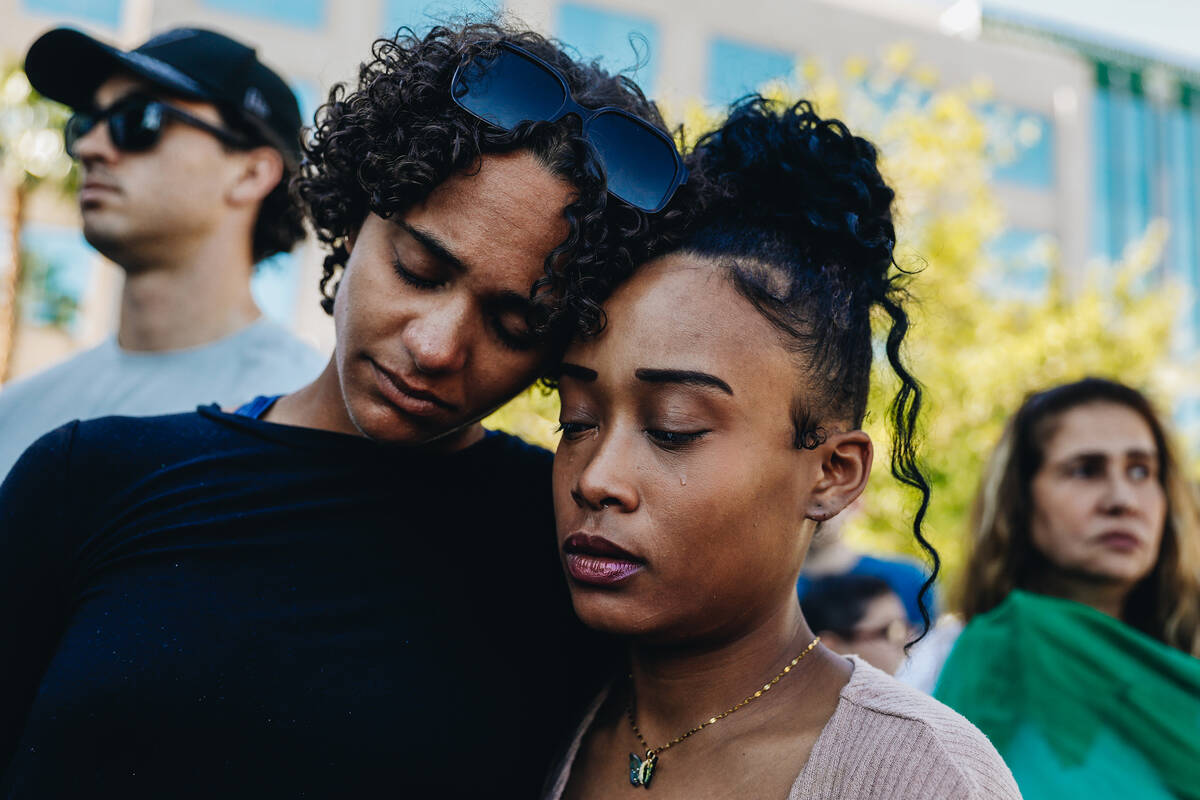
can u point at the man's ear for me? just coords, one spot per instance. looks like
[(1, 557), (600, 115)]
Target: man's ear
[(845, 466), (261, 171)]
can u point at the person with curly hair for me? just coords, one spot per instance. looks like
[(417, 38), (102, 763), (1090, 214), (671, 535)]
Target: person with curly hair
[(351, 590), (706, 432), (1085, 572)]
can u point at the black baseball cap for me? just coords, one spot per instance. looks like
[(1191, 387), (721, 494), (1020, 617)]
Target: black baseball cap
[(68, 66)]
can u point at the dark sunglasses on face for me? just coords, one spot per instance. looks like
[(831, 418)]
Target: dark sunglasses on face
[(135, 124), (641, 163)]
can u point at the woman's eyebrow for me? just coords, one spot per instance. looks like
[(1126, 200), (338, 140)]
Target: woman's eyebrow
[(569, 370), (684, 376), (1102, 455)]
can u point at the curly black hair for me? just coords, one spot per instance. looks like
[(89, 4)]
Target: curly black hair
[(387, 143), (802, 220)]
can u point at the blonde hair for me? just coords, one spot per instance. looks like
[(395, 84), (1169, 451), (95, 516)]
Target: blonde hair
[(1166, 604)]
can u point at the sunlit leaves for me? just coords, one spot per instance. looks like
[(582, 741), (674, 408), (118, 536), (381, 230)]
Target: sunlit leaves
[(31, 141)]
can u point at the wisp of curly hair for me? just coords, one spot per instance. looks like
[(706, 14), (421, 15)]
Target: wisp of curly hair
[(803, 225), (1164, 605), (385, 145)]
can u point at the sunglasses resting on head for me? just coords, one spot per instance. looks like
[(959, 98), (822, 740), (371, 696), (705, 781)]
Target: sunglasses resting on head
[(641, 164)]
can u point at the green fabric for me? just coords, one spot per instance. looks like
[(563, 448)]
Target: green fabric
[(1077, 703)]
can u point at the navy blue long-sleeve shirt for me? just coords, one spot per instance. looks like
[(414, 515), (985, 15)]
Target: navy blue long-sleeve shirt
[(205, 605)]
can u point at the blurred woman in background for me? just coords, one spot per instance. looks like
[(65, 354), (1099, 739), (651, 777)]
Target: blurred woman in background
[(1083, 600)]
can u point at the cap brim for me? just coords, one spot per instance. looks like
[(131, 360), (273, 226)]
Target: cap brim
[(68, 66)]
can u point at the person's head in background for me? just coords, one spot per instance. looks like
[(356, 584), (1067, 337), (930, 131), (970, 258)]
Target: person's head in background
[(186, 146), (1085, 499), (859, 614), (471, 228)]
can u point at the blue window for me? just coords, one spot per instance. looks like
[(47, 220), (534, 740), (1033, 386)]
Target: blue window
[(1022, 264), (736, 69), (1147, 166), (1023, 145), (104, 12), (301, 13), (1125, 154), (421, 15), (276, 286), (1181, 153), (1183, 214), (1102, 192), (624, 43), (58, 268)]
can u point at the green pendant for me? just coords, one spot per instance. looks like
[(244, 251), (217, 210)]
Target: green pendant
[(640, 771)]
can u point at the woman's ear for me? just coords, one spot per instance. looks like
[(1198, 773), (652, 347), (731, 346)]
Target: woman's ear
[(845, 466)]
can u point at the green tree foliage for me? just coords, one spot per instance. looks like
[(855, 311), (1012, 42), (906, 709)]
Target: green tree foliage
[(31, 141), (978, 344)]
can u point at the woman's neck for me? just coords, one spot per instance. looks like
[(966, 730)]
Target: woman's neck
[(678, 688), (1107, 597)]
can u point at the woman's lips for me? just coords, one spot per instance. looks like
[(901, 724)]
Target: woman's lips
[(600, 571), (1120, 540), (597, 561)]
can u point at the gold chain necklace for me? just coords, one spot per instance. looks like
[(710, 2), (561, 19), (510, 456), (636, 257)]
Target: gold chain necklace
[(642, 769)]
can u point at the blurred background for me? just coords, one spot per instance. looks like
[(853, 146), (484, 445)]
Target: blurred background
[(1046, 155)]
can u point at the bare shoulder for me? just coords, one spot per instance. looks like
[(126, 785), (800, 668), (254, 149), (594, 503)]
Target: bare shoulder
[(887, 739)]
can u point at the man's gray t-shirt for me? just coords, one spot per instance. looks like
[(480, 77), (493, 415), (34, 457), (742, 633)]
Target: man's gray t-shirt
[(263, 358)]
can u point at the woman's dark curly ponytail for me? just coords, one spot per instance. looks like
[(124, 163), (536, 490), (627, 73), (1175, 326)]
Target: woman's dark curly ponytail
[(801, 218), (903, 416)]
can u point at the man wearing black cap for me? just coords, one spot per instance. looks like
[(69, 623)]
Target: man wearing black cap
[(186, 146)]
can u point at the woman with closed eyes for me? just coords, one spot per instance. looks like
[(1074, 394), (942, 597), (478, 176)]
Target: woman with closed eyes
[(707, 431)]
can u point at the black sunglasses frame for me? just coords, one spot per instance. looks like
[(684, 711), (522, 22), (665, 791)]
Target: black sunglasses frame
[(586, 116), (82, 122)]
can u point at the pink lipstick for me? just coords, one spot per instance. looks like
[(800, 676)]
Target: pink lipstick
[(597, 561)]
